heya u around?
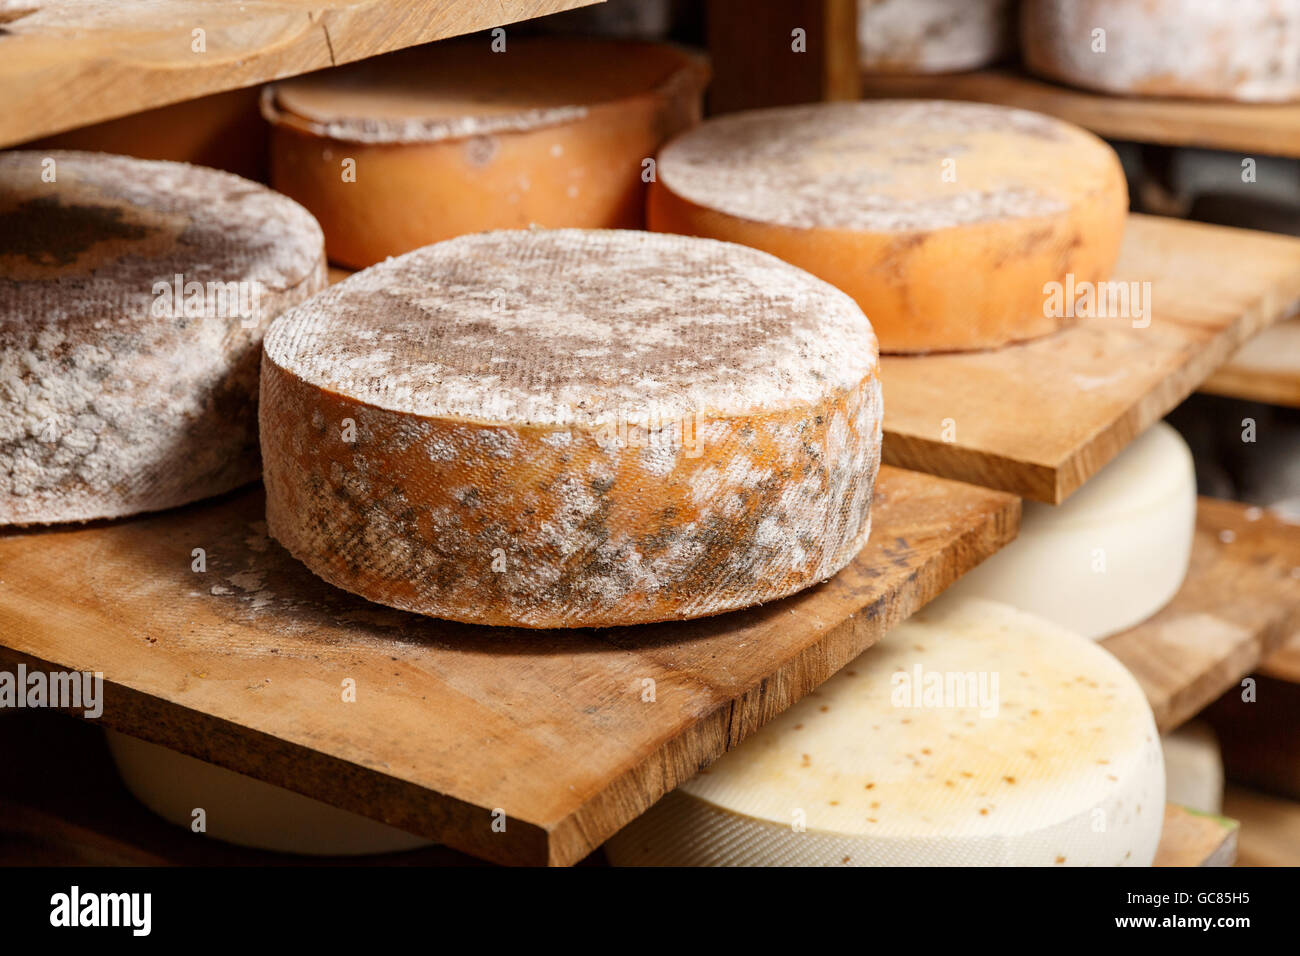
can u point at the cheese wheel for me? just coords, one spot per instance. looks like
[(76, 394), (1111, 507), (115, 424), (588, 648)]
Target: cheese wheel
[(943, 220), (1113, 554), (133, 296), (243, 810), (1194, 768), (572, 428), (1246, 50), (933, 36), (430, 143), (972, 735)]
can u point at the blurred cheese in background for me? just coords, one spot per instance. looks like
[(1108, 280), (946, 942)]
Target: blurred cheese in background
[(934, 36), (1193, 768)]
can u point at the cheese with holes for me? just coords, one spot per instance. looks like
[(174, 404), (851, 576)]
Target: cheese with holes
[(1113, 554), (972, 735), (1194, 768), (945, 221), (566, 428), (133, 297), (1245, 50), (243, 810), (933, 36), (426, 144)]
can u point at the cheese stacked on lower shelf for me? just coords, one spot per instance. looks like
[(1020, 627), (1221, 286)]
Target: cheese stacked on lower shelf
[(572, 428), (133, 297), (1035, 747), (933, 36), (1194, 768), (945, 221)]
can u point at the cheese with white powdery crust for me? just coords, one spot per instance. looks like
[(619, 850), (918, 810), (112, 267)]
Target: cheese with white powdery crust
[(933, 36), (117, 395), (572, 428), (971, 735)]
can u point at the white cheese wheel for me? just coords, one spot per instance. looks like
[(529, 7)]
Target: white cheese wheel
[(1112, 554), (117, 394), (1245, 50), (944, 221), (1194, 768), (243, 810), (1056, 764), (933, 36), (572, 428)]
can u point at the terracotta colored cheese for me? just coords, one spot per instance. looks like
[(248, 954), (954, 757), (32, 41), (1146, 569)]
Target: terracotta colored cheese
[(572, 428), (116, 395), (454, 138), (1245, 50), (943, 220), (972, 735), (933, 36)]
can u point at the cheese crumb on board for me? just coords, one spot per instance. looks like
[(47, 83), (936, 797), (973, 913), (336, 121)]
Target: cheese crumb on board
[(1034, 748), (944, 221), (564, 428), (933, 36)]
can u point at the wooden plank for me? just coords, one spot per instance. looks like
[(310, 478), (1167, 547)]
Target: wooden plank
[(65, 64), (1038, 419), (1257, 730), (1270, 827), (1240, 127), (1196, 839), (1265, 369), (1240, 600), (243, 665)]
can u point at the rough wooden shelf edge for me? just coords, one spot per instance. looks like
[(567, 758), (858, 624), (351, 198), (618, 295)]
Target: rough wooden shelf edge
[(1266, 369), (1190, 838), (67, 65), (1270, 826)]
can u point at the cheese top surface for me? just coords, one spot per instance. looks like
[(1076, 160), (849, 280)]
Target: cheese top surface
[(573, 327), (1069, 724), (886, 166)]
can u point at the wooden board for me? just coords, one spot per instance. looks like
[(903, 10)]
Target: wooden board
[(1038, 419), (1259, 734), (243, 665), (65, 64), (1240, 127), (1265, 369), (1270, 827), (1196, 839), (1240, 601)]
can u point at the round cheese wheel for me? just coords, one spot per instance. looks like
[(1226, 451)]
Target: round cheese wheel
[(243, 810), (972, 735), (572, 428), (1245, 50), (133, 297), (426, 144), (933, 36), (943, 220), (1194, 768), (1112, 554)]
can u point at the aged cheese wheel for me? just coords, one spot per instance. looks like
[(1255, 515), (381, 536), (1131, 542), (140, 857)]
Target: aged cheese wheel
[(1194, 768), (431, 143), (1113, 554), (133, 297), (943, 220), (1056, 764), (933, 36), (1208, 49), (564, 428), (243, 810)]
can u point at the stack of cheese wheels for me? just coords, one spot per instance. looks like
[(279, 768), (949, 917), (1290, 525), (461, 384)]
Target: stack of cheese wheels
[(945, 221), (403, 150), (972, 735), (1113, 554), (933, 36), (1194, 767), (133, 297), (555, 428), (1245, 50), (245, 811)]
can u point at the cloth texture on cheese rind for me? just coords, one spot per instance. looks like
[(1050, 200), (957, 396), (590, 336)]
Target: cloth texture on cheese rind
[(573, 428), (933, 36), (1065, 769), (457, 139), (120, 396), (944, 221)]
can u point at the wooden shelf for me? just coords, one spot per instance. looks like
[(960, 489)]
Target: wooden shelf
[(1266, 369), (1238, 604), (66, 64), (242, 666), (1239, 127), (1196, 839), (1270, 827)]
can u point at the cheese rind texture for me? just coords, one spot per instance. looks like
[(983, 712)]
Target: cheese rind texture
[(572, 428), (933, 36), (1056, 764), (424, 145), (944, 221), (1247, 50), (1111, 555), (126, 389)]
